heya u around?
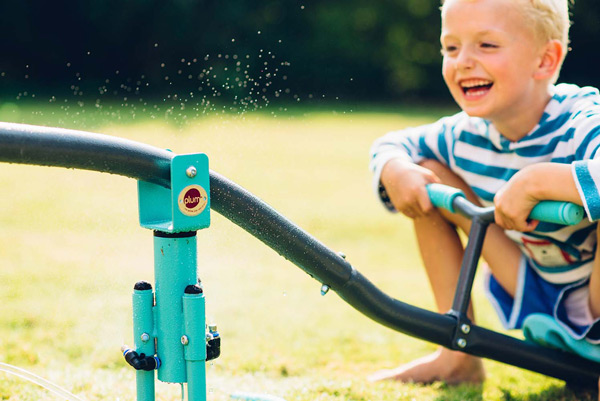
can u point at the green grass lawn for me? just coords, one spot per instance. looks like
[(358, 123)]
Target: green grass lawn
[(71, 250)]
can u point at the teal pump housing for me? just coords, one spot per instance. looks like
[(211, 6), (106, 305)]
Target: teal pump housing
[(170, 323)]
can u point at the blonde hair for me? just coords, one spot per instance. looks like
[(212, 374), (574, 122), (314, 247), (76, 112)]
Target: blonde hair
[(549, 20)]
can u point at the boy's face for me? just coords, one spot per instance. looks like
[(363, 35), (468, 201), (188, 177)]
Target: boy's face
[(490, 57)]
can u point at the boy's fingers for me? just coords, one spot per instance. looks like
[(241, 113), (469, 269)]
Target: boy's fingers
[(409, 213), (502, 221), (424, 202), (532, 224), (517, 224)]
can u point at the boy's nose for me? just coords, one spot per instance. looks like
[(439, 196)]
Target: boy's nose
[(465, 61)]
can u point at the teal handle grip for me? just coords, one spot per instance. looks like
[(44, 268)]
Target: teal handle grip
[(557, 212), (443, 195), (547, 211)]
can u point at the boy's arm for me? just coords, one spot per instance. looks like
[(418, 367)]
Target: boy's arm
[(401, 151), (532, 184)]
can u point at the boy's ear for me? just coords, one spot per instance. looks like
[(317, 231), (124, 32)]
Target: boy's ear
[(550, 60)]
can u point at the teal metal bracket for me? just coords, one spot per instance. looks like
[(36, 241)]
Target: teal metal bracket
[(183, 207)]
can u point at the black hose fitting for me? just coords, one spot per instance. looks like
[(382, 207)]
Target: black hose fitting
[(140, 361), (213, 349), (213, 346)]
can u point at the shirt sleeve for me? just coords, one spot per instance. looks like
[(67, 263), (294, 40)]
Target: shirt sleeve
[(413, 145), (586, 171)]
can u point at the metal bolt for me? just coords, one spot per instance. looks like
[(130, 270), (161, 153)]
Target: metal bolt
[(191, 171), (465, 328), (462, 343), (185, 340), (145, 337), (324, 289)]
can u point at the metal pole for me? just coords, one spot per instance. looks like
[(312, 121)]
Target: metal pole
[(462, 297), (143, 328), (194, 341), (174, 269)]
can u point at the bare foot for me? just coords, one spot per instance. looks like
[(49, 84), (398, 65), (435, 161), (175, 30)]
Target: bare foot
[(452, 367)]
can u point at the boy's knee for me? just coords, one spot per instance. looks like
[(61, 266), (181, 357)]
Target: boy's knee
[(447, 176), (435, 166)]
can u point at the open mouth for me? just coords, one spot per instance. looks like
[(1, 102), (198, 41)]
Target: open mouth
[(476, 87)]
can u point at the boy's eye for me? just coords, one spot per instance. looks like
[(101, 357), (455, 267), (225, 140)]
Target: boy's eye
[(448, 49), (488, 45)]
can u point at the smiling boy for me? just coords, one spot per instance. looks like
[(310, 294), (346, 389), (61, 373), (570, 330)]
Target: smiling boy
[(519, 139)]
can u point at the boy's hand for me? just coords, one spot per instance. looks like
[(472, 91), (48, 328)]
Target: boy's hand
[(405, 184), (514, 202)]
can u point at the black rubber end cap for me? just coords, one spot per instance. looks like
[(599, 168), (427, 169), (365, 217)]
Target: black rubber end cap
[(142, 286), (193, 289)]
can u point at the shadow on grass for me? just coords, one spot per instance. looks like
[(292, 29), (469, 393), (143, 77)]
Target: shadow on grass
[(468, 392), (553, 393), (463, 392)]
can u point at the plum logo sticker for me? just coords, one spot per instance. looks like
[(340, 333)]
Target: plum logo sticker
[(192, 200)]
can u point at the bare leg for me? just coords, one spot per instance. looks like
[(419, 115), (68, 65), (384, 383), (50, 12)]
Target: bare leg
[(442, 258)]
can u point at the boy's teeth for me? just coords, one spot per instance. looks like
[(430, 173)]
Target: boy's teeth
[(477, 82)]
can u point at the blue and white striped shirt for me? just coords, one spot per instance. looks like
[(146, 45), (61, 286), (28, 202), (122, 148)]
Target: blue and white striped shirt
[(568, 132)]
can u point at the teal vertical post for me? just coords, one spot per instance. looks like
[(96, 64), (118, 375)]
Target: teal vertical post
[(175, 259), (195, 342), (143, 337)]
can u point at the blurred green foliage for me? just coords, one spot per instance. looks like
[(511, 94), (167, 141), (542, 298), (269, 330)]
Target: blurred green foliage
[(381, 50)]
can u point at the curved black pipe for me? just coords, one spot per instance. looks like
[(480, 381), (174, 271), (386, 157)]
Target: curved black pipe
[(44, 146), (27, 144)]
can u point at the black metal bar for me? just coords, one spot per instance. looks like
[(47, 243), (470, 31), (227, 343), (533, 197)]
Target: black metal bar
[(74, 149), (576, 371), (469, 210), (462, 296)]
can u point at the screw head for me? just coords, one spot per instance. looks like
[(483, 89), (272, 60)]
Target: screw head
[(465, 328), (191, 171), (185, 340), (145, 337), (462, 343), (324, 289)]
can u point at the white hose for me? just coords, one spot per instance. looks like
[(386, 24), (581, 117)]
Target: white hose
[(254, 397), (23, 374)]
